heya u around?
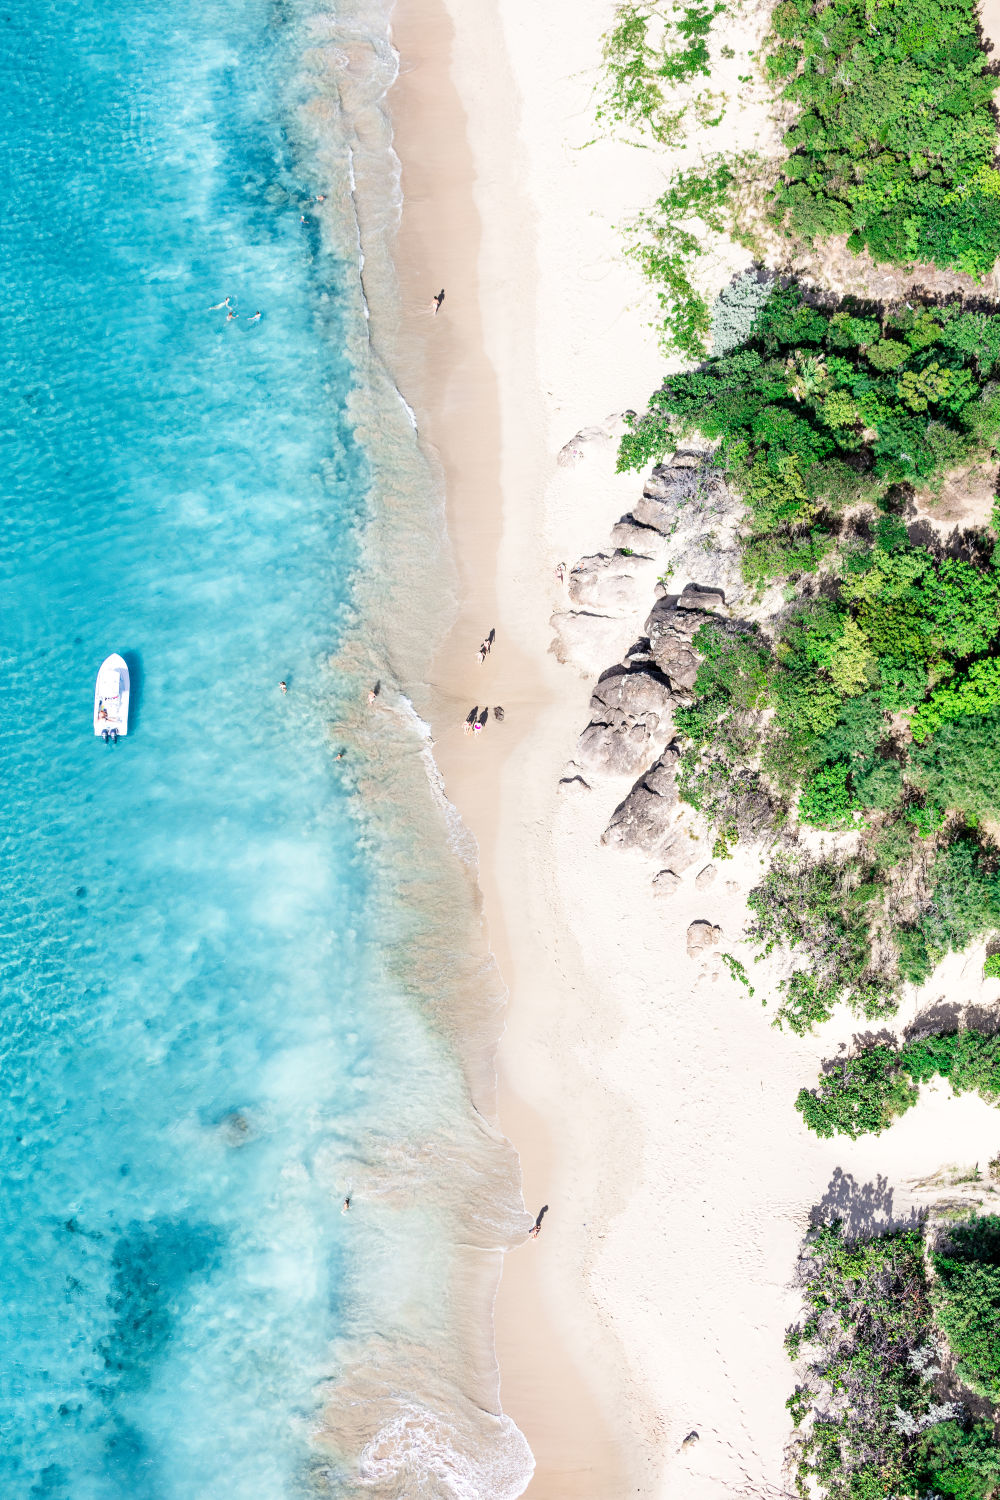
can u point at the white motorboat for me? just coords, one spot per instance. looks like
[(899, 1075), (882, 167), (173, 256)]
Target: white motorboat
[(111, 699)]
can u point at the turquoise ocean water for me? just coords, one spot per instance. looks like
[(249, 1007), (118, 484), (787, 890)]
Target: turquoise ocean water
[(203, 1045)]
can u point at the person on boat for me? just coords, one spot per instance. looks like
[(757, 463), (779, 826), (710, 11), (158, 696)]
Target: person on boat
[(102, 712)]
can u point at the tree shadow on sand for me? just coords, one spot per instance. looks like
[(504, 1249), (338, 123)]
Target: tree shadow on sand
[(864, 1209)]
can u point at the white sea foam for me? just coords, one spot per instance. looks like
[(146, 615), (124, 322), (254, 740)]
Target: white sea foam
[(418, 1452), (460, 838)]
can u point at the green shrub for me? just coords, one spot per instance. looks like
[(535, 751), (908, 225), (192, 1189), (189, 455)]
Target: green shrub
[(862, 1097), (965, 897), (638, 66), (826, 800), (958, 1463), (991, 968), (823, 911), (863, 1402), (895, 140), (864, 1094), (967, 1301)]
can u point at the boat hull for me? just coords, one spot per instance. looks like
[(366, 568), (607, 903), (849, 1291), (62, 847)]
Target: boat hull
[(111, 697)]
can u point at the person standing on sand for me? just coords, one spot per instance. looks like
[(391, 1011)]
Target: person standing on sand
[(373, 693), (437, 301), (482, 653), (533, 1231)]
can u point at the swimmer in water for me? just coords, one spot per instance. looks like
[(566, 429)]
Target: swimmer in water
[(283, 686), (230, 315), (345, 1206), (255, 318), (218, 306)]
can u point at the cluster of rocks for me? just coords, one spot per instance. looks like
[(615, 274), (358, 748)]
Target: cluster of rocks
[(679, 547), (683, 530)]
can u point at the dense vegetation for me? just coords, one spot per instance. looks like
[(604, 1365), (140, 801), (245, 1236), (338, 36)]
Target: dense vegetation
[(862, 1095), (821, 408), (967, 1302), (872, 702), (895, 139), (812, 723), (869, 1415)]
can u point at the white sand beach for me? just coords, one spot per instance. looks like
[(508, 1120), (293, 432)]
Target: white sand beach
[(648, 1096)]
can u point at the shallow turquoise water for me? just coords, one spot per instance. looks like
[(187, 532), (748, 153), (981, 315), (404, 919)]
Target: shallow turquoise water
[(188, 1024)]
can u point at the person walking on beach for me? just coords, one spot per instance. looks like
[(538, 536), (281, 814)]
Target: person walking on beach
[(471, 718), (533, 1231), (482, 653), (437, 301)]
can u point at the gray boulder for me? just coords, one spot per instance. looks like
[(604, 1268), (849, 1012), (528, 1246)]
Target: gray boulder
[(589, 641), (665, 882), (701, 937), (631, 717), (643, 821), (605, 583), (671, 629)]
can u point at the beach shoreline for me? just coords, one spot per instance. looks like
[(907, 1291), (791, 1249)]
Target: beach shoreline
[(647, 1096), (469, 224)]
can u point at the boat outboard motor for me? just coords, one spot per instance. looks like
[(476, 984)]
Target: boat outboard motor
[(114, 736), (105, 735)]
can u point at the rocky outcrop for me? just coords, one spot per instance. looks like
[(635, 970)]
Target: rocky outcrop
[(701, 938), (679, 536), (644, 819), (687, 503), (631, 717), (671, 627), (589, 438)]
